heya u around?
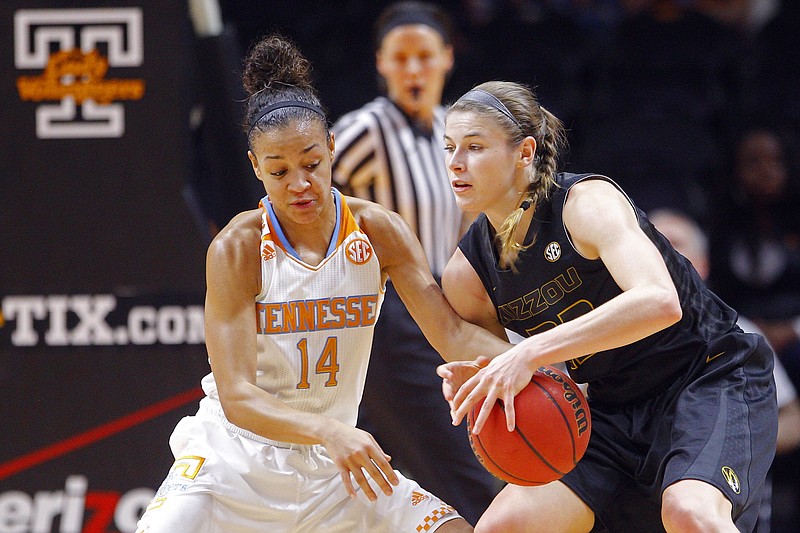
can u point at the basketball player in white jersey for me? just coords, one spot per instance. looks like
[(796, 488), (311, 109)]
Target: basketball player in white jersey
[(294, 290)]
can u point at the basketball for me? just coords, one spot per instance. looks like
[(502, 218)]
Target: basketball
[(551, 434)]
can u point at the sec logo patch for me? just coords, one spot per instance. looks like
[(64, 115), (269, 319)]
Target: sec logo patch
[(552, 252), (359, 251)]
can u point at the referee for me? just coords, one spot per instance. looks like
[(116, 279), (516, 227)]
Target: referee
[(390, 151)]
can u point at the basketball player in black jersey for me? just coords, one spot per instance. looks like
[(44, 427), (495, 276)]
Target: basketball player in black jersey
[(683, 402)]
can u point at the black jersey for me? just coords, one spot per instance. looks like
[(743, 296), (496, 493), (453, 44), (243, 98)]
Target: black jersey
[(554, 284)]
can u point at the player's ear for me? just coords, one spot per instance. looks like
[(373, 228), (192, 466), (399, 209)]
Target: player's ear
[(331, 143), (254, 163), (527, 151)]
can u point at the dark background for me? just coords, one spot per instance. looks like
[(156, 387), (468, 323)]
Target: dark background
[(652, 94)]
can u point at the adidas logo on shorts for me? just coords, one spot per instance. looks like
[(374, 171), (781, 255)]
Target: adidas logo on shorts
[(418, 497)]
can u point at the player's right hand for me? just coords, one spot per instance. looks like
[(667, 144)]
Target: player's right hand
[(456, 373)]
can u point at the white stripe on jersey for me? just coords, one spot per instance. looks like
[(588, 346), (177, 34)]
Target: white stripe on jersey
[(380, 157), (315, 323)]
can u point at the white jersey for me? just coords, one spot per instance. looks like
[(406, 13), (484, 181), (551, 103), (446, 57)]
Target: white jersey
[(314, 327), (315, 322)]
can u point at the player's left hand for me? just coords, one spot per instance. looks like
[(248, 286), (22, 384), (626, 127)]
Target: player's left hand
[(502, 379), (359, 457)]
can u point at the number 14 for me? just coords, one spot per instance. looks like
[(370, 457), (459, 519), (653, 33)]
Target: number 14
[(326, 364)]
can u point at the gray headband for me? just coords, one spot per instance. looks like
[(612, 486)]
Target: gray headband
[(280, 105), (487, 98)]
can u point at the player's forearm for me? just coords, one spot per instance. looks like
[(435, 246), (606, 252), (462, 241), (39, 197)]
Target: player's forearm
[(458, 340), (255, 410), (627, 318)]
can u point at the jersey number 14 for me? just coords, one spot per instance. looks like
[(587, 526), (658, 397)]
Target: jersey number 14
[(327, 363)]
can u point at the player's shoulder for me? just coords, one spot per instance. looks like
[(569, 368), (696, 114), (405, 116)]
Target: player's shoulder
[(459, 271), (386, 229), (370, 214), (582, 182), (241, 234), (233, 259), (593, 193)]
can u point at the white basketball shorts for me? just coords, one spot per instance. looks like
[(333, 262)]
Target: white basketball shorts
[(228, 480)]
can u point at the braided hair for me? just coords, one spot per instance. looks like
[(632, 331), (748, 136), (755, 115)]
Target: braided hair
[(515, 108)]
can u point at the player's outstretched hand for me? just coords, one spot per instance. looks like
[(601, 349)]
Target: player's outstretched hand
[(501, 379), (359, 456)]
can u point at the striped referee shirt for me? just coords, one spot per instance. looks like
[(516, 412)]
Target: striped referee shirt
[(382, 157)]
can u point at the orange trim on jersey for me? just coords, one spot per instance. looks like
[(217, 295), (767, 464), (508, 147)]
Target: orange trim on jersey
[(268, 236), (276, 242), (348, 224)]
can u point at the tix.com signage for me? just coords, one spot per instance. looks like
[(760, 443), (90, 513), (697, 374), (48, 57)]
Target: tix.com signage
[(97, 320), (73, 49)]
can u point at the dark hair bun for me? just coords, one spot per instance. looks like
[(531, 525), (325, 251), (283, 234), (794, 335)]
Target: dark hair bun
[(275, 60)]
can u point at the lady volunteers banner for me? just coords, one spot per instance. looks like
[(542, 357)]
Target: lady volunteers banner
[(102, 272)]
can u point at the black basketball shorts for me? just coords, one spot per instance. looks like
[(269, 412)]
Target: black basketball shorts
[(718, 424)]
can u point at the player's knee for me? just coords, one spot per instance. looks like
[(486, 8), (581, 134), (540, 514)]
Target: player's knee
[(521, 521), (500, 519), (688, 512), (489, 526), (681, 518)]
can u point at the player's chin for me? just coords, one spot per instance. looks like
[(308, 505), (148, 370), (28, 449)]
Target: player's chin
[(305, 212), (465, 202)]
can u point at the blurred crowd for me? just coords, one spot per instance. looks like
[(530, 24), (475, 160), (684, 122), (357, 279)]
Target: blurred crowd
[(654, 92), (691, 105)]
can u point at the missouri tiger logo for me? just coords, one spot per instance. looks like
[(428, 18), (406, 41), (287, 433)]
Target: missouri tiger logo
[(732, 479)]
